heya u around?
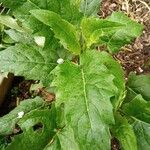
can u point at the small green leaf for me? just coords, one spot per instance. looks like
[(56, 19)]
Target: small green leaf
[(124, 35), (11, 23), (31, 62), (90, 7), (142, 132), (85, 94), (140, 84), (63, 30), (8, 122), (20, 37), (13, 4), (138, 108), (124, 132), (94, 29)]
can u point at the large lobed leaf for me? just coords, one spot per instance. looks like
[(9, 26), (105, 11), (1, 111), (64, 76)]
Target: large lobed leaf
[(29, 61), (84, 91)]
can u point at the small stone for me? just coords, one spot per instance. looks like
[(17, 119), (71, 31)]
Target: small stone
[(140, 69), (60, 61), (20, 114)]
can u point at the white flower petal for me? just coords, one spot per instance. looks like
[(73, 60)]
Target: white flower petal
[(39, 40), (20, 114), (60, 61)]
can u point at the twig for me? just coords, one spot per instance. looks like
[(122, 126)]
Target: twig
[(127, 6), (144, 3)]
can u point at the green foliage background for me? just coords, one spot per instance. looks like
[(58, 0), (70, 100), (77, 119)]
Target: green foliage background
[(92, 102)]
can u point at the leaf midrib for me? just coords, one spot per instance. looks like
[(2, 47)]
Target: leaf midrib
[(85, 95)]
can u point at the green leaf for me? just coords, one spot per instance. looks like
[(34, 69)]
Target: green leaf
[(37, 27), (115, 68), (124, 35), (69, 10), (94, 29), (124, 132), (13, 4), (2, 143), (8, 122), (90, 7), (140, 84), (142, 132), (22, 14), (31, 62), (130, 95), (6, 39), (84, 91), (63, 140), (20, 37), (138, 108), (37, 127), (11, 23), (63, 30)]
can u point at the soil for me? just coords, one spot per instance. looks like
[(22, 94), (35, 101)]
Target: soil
[(20, 91)]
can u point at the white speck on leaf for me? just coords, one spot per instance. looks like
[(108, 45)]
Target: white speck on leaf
[(39, 40), (60, 61), (20, 114)]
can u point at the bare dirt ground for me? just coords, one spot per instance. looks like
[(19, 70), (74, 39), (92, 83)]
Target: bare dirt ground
[(134, 57)]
